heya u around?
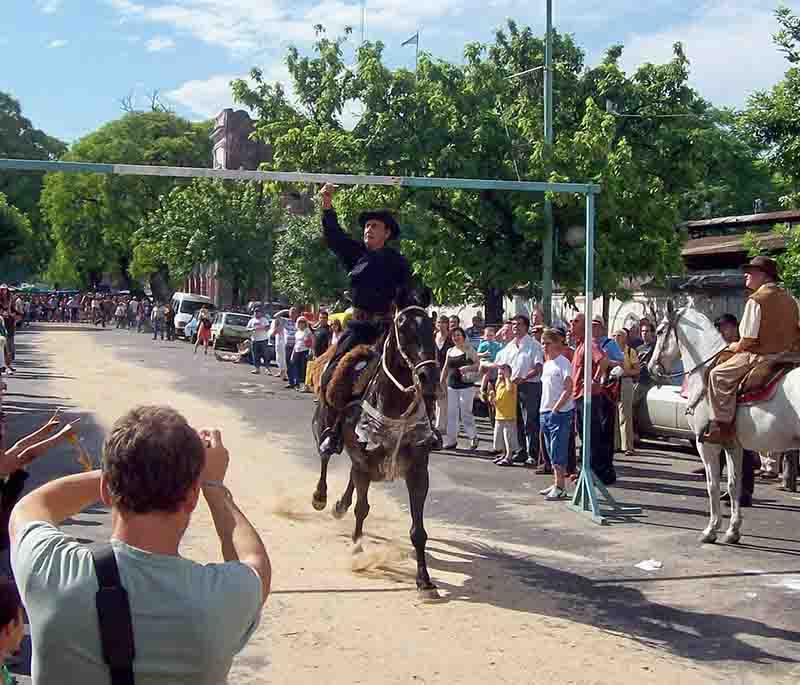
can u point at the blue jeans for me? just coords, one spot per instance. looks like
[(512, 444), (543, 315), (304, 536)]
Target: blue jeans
[(556, 430), (259, 352)]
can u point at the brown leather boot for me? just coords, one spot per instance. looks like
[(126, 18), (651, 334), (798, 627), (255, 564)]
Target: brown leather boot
[(719, 433)]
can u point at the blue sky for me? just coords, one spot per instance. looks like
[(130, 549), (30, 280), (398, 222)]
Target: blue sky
[(70, 62)]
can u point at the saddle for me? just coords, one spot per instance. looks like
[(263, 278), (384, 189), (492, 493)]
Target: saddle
[(350, 378), (761, 382)]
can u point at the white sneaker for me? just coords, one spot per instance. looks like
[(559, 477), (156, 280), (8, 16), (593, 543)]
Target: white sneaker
[(556, 494), (256, 372), (547, 490)]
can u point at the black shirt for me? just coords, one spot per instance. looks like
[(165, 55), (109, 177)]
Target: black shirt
[(322, 340), (375, 275)]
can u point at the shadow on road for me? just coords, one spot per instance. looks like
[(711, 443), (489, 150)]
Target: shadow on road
[(607, 604)]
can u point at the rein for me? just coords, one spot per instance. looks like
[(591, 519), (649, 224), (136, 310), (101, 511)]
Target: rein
[(680, 374), (415, 386)]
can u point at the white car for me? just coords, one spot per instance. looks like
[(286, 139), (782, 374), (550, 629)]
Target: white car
[(185, 305), (229, 329)]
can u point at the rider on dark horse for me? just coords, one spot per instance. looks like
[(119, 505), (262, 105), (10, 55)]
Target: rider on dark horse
[(376, 273)]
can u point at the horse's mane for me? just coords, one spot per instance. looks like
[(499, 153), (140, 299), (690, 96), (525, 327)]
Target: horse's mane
[(709, 340)]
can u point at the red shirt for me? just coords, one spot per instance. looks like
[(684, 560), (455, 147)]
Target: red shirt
[(577, 370)]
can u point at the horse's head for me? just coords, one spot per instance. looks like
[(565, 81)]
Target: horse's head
[(415, 342), (666, 350)]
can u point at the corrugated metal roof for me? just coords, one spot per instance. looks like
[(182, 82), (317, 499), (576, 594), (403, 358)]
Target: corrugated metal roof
[(730, 244), (745, 220)]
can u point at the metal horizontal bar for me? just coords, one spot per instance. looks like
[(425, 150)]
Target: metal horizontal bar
[(296, 177)]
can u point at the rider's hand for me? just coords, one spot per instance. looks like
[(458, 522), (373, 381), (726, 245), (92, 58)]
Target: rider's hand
[(327, 195), (217, 457)]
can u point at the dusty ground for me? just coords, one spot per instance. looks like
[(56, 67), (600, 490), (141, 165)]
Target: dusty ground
[(337, 618)]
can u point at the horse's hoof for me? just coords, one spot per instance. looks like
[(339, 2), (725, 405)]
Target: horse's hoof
[(338, 511), (708, 538), (732, 537), (319, 503), (429, 594)]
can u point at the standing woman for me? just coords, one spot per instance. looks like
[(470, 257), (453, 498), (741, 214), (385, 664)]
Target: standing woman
[(277, 330), (630, 373), (203, 331), (443, 343), (303, 343), (336, 331), (461, 361)]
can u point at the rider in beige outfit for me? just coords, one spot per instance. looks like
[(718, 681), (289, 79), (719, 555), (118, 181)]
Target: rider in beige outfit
[(768, 328)]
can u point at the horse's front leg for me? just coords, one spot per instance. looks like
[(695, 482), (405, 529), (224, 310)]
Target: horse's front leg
[(710, 455), (343, 504), (417, 483), (320, 497), (361, 481), (734, 457)]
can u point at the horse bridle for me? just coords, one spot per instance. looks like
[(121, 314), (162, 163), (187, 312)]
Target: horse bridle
[(672, 328), (414, 368)]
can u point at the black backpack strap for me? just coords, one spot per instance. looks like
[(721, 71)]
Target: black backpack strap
[(114, 615)]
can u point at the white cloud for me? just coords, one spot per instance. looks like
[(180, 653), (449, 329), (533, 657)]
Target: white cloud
[(159, 43), (729, 44), (248, 26), (59, 43), (48, 6), (205, 98)]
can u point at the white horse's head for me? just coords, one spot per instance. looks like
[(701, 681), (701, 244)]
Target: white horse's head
[(684, 333)]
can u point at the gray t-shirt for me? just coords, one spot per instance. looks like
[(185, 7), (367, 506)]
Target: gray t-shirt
[(189, 619)]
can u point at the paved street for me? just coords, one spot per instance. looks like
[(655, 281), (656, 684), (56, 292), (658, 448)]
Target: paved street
[(727, 610)]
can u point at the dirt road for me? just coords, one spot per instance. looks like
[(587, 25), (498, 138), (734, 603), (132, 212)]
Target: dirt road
[(336, 618)]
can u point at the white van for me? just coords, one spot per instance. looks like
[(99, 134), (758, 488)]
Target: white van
[(185, 305)]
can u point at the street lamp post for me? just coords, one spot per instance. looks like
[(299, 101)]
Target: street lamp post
[(547, 242)]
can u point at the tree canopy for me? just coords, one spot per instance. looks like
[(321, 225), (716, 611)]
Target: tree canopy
[(209, 221), (93, 217), (669, 154)]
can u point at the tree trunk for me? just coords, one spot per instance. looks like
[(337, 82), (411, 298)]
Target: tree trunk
[(493, 303), (123, 263), (159, 285), (235, 292), (606, 308)]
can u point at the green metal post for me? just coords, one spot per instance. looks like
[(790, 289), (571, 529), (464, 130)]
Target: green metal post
[(547, 242)]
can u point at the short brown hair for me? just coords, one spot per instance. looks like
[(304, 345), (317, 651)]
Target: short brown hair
[(151, 459), (551, 335)]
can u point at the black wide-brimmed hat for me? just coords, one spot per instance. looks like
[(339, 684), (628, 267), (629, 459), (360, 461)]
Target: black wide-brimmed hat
[(383, 215), (764, 265)]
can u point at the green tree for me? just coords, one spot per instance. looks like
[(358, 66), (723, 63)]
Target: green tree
[(20, 140), (305, 270), (770, 119), (210, 221), (15, 228), (667, 156), (94, 217)]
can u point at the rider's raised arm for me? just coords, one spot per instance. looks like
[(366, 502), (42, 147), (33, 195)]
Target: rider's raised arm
[(342, 245)]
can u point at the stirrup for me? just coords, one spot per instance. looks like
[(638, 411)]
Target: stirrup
[(330, 442)]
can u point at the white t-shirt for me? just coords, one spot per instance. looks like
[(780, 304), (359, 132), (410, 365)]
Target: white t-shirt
[(555, 374), (260, 328), (304, 340)]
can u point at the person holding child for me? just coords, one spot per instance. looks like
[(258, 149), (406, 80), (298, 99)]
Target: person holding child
[(487, 354)]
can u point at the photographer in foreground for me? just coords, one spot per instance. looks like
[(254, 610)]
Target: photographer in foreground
[(188, 619)]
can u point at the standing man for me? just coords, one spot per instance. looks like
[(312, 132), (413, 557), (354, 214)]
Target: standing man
[(290, 327), (322, 335), (158, 319), (769, 328), (189, 619), (475, 332), (259, 335), (602, 440), (525, 356)]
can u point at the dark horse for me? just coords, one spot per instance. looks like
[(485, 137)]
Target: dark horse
[(399, 399)]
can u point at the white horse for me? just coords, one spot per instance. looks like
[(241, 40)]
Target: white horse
[(770, 425)]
